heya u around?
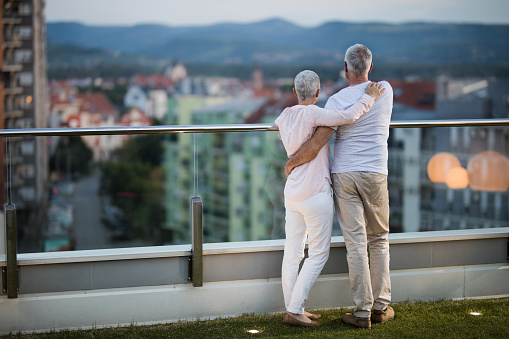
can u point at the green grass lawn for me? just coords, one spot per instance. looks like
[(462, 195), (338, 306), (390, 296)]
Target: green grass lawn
[(440, 319)]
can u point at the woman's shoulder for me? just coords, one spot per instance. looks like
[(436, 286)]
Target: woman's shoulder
[(282, 114)]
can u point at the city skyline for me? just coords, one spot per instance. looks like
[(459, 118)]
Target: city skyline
[(199, 13)]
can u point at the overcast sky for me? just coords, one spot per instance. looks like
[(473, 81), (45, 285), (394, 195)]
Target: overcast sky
[(302, 12)]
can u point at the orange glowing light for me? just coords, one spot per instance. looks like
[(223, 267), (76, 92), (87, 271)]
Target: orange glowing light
[(440, 164), (489, 171), (457, 178), (29, 99)]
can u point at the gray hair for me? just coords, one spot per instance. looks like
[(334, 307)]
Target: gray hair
[(358, 59), (307, 83)]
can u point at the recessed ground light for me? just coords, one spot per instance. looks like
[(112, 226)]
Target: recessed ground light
[(475, 313)]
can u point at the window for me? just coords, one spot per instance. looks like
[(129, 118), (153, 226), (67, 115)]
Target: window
[(27, 193), (22, 56), (239, 212), (25, 9), (239, 164), (26, 171), (27, 148), (25, 101), (9, 103), (23, 123), (255, 141), (26, 79), (24, 32), (261, 170)]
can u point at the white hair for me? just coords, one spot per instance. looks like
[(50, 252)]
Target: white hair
[(307, 83), (358, 59)]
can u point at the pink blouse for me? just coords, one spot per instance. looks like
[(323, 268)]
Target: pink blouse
[(296, 125)]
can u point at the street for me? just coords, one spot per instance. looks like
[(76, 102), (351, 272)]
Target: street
[(89, 233)]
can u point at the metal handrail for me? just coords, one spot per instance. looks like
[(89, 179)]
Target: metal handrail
[(170, 129)]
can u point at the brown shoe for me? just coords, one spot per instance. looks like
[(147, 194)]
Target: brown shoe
[(299, 320), (381, 316), (351, 319), (312, 316)]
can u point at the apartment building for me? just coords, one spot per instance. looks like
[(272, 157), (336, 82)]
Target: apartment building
[(240, 176), (23, 102)]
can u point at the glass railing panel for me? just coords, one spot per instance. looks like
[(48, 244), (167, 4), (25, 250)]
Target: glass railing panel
[(98, 192), (241, 181), (448, 178)]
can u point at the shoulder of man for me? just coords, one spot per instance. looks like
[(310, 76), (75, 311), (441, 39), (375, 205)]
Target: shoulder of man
[(335, 97), (387, 86)]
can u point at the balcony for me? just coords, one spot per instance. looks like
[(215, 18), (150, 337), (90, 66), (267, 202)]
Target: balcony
[(12, 21), (13, 114), (13, 90), (199, 279), (8, 67), (15, 43)]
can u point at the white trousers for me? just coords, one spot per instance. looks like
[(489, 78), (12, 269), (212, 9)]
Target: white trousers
[(310, 218)]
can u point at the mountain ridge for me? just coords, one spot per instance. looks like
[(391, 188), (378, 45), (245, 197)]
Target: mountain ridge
[(278, 41)]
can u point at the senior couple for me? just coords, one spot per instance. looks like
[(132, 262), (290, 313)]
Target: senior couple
[(360, 115)]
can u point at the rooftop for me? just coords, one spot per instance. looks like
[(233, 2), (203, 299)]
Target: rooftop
[(439, 319)]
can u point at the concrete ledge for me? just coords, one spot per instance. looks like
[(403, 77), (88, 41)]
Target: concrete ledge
[(26, 259), (44, 312), (167, 265)]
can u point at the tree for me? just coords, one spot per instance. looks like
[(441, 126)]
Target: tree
[(135, 184), (72, 155)]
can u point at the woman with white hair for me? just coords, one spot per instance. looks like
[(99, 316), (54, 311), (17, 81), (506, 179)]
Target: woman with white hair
[(308, 192)]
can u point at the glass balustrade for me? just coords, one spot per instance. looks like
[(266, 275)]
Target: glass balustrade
[(110, 191)]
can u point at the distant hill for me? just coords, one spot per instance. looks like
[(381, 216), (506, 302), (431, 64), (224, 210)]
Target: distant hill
[(276, 41)]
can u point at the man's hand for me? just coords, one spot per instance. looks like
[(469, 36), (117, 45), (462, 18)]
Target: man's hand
[(288, 168), (309, 149), (375, 90)]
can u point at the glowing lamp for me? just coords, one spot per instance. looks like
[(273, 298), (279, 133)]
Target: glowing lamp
[(489, 171), (440, 164), (457, 178)]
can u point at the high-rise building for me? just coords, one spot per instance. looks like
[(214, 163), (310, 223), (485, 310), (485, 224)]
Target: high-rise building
[(238, 175), (24, 101)]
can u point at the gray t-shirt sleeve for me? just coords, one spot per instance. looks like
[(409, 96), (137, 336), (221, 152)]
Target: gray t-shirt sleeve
[(331, 105)]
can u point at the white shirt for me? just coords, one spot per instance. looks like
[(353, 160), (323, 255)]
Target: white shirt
[(296, 125), (362, 145)]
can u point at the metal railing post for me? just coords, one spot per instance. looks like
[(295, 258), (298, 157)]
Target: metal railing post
[(12, 282), (12, 260), (197, 241)]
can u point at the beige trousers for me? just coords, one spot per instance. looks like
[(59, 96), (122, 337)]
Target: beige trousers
[(362, 209)]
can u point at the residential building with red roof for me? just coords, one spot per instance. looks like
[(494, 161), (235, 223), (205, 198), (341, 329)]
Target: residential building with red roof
[(134, 117), (72, 109)]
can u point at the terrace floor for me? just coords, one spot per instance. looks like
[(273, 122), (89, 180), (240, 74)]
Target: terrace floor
[(437, 319)]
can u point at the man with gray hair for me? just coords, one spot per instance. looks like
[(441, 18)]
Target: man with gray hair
[(361, 197), (308, 192)]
